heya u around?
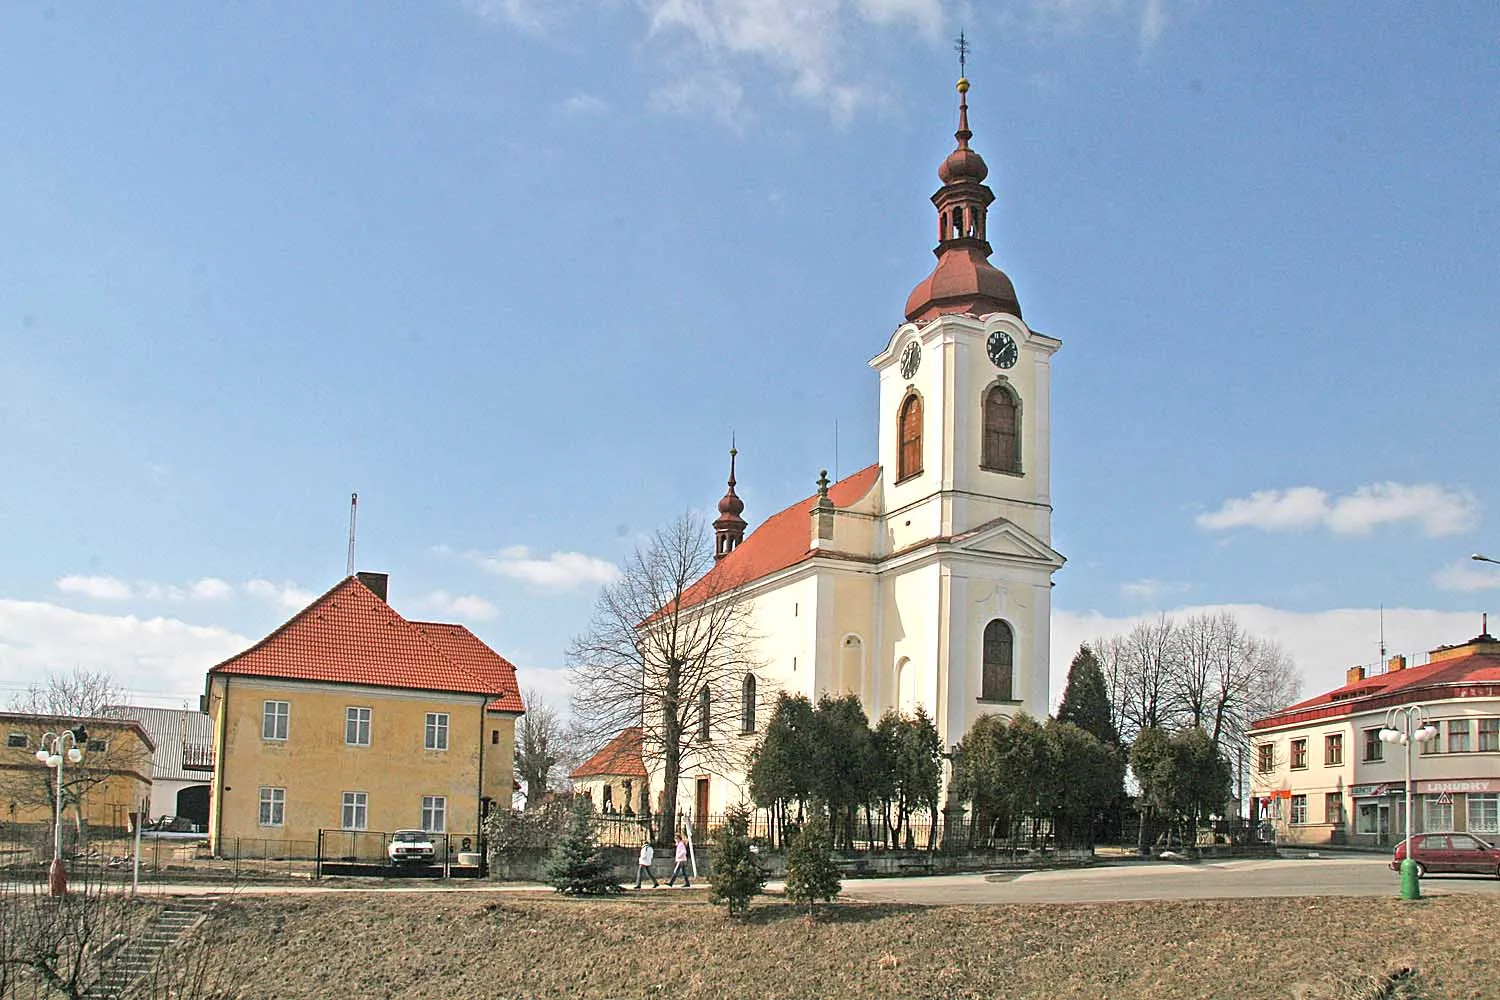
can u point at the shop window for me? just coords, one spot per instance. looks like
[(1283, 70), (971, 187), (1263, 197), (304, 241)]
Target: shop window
[(1484, 813), (1367, 818), (1437, 815)]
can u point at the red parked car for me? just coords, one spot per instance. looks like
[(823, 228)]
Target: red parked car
[(1449, 852)]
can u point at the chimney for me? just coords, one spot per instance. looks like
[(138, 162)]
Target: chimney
[(1395, 663), (377, 582), (1354, 675)]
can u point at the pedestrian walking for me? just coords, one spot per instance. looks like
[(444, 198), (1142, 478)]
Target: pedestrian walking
[(680, 867), (643, 864)]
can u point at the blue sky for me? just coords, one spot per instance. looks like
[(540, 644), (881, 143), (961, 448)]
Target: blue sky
[(515, 270)]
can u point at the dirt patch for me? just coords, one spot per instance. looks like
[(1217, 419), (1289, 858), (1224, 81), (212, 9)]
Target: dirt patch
[(469, 945)]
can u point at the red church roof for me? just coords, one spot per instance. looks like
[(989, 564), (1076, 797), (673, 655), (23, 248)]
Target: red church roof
[(620, 757), (1452, 673), (350, 636), (783, 540)]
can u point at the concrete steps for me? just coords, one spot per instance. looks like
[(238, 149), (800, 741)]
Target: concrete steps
[(140, 955)]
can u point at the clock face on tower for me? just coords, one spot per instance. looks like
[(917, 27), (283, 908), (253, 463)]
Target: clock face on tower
[(1002, 349), (911, 359)]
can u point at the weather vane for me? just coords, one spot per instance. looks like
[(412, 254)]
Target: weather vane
[(962, 48)]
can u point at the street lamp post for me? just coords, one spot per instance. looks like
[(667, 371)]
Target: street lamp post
[(1407, 724), (57, 877), (1477, 557)]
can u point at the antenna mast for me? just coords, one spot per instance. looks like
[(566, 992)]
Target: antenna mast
[(353, 513), (1382, 636)]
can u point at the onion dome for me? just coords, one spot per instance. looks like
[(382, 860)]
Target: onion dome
[(964, 280), (729, 528)]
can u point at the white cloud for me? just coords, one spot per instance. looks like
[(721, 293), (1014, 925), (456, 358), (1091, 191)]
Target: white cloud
[(210, 589), (1323, 644), (1150, 17), (559, 571), (525, 14), (283, 595), (154, 659), (1436, 510), (467, 606), (584, 104), (1151, 590), (100, 588), (1462, 576), (1270, 510)]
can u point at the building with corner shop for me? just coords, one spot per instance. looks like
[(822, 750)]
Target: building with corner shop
[(1320, 773)]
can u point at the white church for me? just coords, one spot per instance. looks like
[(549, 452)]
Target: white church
[(924, 579)]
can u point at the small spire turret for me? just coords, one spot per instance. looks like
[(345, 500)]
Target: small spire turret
[(729, 529)]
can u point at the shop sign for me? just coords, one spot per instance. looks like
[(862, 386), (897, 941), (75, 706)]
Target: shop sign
[(1457, 786), (1369, 791)]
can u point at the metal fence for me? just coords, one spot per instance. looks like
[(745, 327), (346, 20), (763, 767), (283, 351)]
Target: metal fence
[(367, 852), (863, 832)]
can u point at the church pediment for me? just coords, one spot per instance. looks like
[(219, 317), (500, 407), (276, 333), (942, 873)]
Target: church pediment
[(1008, 540)]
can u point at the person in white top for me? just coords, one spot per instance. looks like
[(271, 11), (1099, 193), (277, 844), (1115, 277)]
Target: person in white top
[(643, 864), (680, 868)]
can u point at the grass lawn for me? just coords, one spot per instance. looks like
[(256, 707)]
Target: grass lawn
[(659, 944)]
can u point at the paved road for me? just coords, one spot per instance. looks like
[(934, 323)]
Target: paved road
[(1310, 876)]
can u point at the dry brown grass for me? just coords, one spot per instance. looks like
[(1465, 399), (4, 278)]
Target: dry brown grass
[(469, 945)]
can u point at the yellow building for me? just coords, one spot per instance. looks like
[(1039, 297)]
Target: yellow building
[(109, 783), (351, 717)]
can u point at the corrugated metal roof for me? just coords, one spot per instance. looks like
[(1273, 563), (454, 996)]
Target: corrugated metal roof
[(169, 729)]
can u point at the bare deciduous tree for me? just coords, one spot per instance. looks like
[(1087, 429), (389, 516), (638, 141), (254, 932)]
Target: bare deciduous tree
[(63, 701), (541, 744), (668, 649)]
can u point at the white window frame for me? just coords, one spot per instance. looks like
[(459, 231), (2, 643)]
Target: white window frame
[(1367, 816), (435, 731), (17, 741), (272, 810), (1493, 732), (275, 720), (1484, 813), (1299, 810), (357, 725), (356, 811), (1464, 733), (435, 813)]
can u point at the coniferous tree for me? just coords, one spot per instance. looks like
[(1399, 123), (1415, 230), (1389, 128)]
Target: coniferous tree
[(1085, 700), (811, 873), (737, 874), (577, 866)]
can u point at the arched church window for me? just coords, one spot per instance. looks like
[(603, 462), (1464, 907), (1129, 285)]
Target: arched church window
[(998, 680), (747, 705), (909, 459), (705, 722), (1002, 431)]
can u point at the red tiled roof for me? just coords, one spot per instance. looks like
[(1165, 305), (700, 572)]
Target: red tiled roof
[(350, 636), (465, 648), (783, 539), (1481, 666), (620, 757)]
